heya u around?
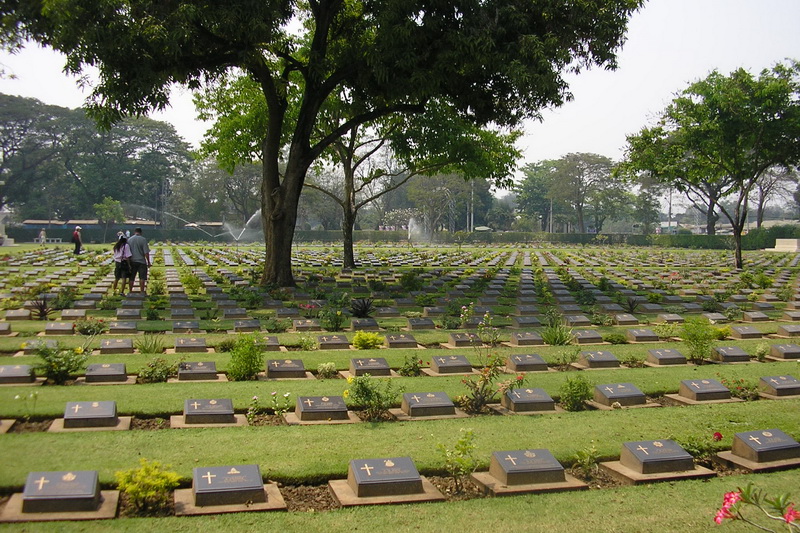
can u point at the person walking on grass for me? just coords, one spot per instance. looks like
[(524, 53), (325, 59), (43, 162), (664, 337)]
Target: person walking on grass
[(140, 258), (122, 265)]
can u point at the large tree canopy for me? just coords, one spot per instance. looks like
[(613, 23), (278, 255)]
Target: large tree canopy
[(725, 132), (494, 62)]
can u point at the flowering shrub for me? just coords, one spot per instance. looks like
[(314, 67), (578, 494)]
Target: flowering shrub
[(374, 396), (740, 388), (778, 509), (412, 366), (59, 363)]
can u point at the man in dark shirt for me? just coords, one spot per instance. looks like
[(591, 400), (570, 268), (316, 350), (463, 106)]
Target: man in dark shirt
[(140, 258)]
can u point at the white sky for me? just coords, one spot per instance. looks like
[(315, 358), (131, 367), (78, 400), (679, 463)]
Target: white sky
[(670, 43)]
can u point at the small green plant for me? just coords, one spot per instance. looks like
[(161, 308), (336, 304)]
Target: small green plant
[(280, 403), (91, 326), (65, 298), (710, 306), (367, 340), (740, 388), (615, 338), (29, 403), (481, 390), (151, 313), (732, 313), (158, 370), (277, 325), (307, 343), (487, 333), (558, 334), (362, 307), (373, 396), (586, 461), (460, 461), (667, 330), (41, 308), (574, 393), (332, 319), (450, 322), (58, 363), (148, 487), (600, 318), (631, 361), (564, 358), (412, 366), (150, 343), (698, 335), (253, 410), (191, 282), (226, 345), (762, 351), (721, 333), (156, 287), (247, 359), (326, 370), (700, 448)]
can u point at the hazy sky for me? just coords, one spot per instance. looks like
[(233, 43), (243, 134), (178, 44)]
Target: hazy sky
[(670, 43)]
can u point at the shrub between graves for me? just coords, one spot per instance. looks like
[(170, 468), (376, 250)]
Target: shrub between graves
[(460, 462), (247, 359), (557, 334), (148, 487), (412, 366), (326, 370), (59, 363), (91, 326), (482, 391), (615, 338), (332, 319), (367, 340), (698, 335), (374, 396), (158, 370), (574, 392), (150, 343)]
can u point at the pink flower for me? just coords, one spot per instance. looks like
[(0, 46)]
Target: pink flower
[(730, 498), (791, 514), (717, 436), (722, 514)]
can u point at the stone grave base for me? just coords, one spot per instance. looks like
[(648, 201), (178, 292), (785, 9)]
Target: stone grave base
[(113, 352), (448, 346), (131, 380), (505, 411), (628, 476), (505, 370), (209, 349), (688, 401), (184, 503), (401, 416), (123, 424), (734, 461), (293, 420), (495, 487), (116, 333), (179, 421), (56, 334), (431, 373), (37, 381), (346, 374), (345, 496), (579, 366), (417, 347), (109, 500), (5, 424), (600, 407), (220, 379), (262, 376), (653, 365), (776, 397), (525, 345), (12, 334), (780, 360)]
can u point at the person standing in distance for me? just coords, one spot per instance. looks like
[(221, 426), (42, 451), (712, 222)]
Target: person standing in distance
[(140, 258), (76, 239)]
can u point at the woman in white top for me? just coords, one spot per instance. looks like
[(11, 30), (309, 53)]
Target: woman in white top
[(122, 264)]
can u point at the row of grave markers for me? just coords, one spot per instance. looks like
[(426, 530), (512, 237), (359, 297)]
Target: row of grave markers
[(76, 495)]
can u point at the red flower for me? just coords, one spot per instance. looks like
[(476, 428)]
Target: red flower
[(717, 436), (791, 514)]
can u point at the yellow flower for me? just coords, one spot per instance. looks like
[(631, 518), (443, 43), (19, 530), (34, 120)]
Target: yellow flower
[(23, 345), (346, 393), (79, 350), (350, 380)]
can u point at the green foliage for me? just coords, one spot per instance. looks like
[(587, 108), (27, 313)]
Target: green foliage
[(482, 390), (91, 326), (367, 340), (247, 359), (574, 393), (326, 370), (332, 319), (156, 287), (41, 308), (148, 487), (586, 461), (740, 388), (150, 343), (226, 345), (59, 364), (558, 334), (762, 351), (191, 282), (450, 322), (277, 325), (410, 280), (460, 461), (487, 333), (615, 338), (158, 370), (151, 313), (698, 335), (374, 396), (412, 366), (362, 307), (65, 298), (700, 448), (307, 343)]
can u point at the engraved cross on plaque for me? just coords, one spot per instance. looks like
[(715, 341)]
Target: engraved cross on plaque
[(368, 469), (41, 481), (209, 476), (755, 439), (643, 449), (512, 460), (76, 408), (309, 402), (195, 404)]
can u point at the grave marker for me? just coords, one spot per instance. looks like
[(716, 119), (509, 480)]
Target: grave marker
[(526, 363), (90, 414), (451, 364), (383, 477), (427, 404), (625, 394), (197, 371), (374, 366), (213, 411), (228, 485), (106, 373), (526, 338), (321, 408), (16, 374), (285, 368), (58, 492), (779, 386), (527, 400)]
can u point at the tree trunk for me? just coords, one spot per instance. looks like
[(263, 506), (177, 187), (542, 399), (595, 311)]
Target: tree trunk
[(737, 243), (711, 220), (349, 260), (279, 203), (579, 213)]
